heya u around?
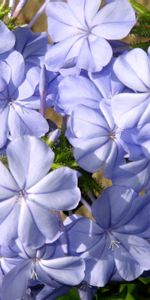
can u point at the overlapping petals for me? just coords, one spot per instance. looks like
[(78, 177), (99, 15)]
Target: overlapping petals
[(40, 266), (81, 30), (131, 110), (116, 241), (94, 136), (30, 199), (18, 100)]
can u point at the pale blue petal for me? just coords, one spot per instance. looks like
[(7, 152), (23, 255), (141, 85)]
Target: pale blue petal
[(57, 191), (26, 167)]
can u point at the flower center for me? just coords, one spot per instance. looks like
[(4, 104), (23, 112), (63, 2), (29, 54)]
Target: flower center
[(114, 243), (112, 135), (21, 196), (34, 274)]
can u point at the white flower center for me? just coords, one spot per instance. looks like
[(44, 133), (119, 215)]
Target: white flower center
[(21, 196), (114, 244)]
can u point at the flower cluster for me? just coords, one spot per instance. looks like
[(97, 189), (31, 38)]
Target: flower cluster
[(101, 88)]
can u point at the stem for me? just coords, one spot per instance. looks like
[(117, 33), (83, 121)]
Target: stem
[(42, 89), (3, 3), (83, 201), (11, 6), (19, 7), (91, 196), (38, 14)]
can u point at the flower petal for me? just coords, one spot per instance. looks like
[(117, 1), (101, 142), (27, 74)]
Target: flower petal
[(114, 20), (67, 270), (26, 167), (84, 10), (133, 69), (57, 191), (88, 93), (17, 281), (37, 225), (94, 54), (7, 38), (132, 257)]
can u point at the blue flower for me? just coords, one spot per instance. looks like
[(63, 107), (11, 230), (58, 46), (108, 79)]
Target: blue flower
[(131, 110), (40, 266), (18, 102), (95, 138), (117, 240), (92, 88), (134, 175), (29, 197), (81, 29), (31, 45), (7, 39)]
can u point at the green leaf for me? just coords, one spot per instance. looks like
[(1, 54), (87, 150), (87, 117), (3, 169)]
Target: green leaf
[(4, 12), (140, 9), (72, 295), (3, 159), (143, 45), (145, 280)]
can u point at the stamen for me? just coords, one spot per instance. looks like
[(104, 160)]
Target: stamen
[(114, 244), (34, 275)]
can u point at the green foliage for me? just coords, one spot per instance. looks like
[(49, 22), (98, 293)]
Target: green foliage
[(142, 12), (10, 22), (64, 158), (3, 159), (4, 12), (142, 28), (72, 295)]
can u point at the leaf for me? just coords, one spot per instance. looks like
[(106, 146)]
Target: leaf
[(73, 295), (139, 8)]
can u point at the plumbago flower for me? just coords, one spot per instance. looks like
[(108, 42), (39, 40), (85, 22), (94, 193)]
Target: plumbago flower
[(35, 266), (29, 197), (7, 39), (92, 88), (135, 175), (31, 45), (81, 30), (131, 111), (18, 102), (95, 138), (116, 240)]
